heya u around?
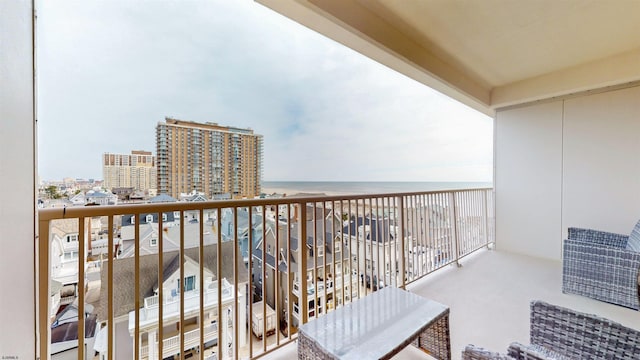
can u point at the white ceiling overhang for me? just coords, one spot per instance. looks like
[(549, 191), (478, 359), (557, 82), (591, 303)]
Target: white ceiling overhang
[(487, 54)]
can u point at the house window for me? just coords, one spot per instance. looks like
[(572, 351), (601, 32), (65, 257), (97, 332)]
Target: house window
[(269, 249), (320, 250), (70, 255), (133, 219), (154, 241), (189, 283), (164, 217), (72, 237), (337, 246), (149, 218)]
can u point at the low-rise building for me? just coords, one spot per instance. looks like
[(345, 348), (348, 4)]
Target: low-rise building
[(233, 299)]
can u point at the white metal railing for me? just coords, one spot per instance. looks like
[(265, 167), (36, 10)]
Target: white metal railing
[(171, 345), (352, 245), (191, 301)]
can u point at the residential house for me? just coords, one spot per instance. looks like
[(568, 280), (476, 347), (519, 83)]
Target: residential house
[(101, 198), (373, 247), (123, 193), (161, 198), (64, 333), (193, 196), (124, 302), (56, 286), (78, 199), (149, 233), (240, 232), (137, 196), (64, 256), (324, 274)]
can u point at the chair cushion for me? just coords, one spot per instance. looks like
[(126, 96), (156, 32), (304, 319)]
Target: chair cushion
[(633, 244)]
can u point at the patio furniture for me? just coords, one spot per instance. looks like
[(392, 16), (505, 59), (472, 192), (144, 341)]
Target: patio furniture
[(378, 326), (602, 266), (561, 333)]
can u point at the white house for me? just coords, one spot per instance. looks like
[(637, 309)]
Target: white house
[(64, 334), (101, 198), (65, 256), (233, 299)]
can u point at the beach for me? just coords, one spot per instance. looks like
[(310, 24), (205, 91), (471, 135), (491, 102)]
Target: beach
[(331, 188)]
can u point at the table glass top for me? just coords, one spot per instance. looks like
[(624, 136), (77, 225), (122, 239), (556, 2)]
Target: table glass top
[(373, 326)]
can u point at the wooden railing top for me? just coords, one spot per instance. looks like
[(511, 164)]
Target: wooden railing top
[(73, 212)]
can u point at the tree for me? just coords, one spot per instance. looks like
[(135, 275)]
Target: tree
[(52, 192)]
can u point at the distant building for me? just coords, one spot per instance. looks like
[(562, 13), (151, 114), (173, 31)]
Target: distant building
[(208, 158), (136, 170), (123, 193), (100, 198)]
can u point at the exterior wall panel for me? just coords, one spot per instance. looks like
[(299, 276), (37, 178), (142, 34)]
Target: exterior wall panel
[(528, 180), (17, 181), (568, 163), (601, 183)]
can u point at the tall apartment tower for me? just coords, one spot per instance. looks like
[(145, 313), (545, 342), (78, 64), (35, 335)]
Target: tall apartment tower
[(136, 170), (208, 158)]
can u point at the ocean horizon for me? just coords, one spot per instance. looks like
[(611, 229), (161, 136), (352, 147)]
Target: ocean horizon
[(367, 187)]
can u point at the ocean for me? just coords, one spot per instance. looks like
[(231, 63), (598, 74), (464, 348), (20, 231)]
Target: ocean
[(364, 187)]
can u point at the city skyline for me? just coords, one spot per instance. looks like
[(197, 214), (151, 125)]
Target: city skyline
[(109, 72)]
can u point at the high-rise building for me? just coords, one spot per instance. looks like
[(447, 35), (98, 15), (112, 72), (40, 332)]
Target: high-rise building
[(208, 158), (136, 170)]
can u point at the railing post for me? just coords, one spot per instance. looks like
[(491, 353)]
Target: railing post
[(81, 287), (302, 248), (403, 253), (486, 219), (456, 242), (43, 289)]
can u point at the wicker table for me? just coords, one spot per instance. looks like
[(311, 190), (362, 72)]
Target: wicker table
[(378, 326)]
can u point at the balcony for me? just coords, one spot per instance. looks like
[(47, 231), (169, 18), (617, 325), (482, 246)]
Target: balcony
[(379, 240), (172, 307), (489, 299), (171, 343)]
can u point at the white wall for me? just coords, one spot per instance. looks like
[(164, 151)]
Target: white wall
[(572, 162), (17, 185), (601, 187), (528, 162)]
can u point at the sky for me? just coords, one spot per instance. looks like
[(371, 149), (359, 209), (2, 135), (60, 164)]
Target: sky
[(109, 71)]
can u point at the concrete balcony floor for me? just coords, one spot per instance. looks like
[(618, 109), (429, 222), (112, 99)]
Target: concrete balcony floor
[(489, 300)]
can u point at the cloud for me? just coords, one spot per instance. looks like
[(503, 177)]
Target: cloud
[(110, 71)]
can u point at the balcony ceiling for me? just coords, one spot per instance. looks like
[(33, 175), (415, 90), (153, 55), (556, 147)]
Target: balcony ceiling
[(487, 54)]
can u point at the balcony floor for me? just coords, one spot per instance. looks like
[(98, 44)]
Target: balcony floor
[(489, 299)]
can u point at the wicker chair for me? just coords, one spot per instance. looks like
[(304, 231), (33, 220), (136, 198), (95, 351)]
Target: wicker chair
[(602, 266), (561, 333)]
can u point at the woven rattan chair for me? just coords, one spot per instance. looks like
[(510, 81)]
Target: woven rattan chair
[(561, 333), (602, 266)]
